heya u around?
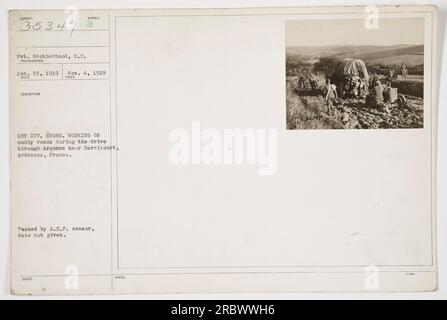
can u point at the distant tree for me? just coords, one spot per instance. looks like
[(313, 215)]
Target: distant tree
[(294, 65), (327, 65)]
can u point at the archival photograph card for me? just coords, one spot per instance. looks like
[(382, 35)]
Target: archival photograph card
[(197, 150)]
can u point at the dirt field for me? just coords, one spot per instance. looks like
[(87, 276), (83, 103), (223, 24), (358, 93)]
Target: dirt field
[(307, 110)]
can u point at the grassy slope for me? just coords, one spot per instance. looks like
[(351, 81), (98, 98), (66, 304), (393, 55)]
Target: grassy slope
[(308, 112)]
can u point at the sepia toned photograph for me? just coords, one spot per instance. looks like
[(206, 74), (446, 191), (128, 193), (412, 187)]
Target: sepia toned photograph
[(346, 74)]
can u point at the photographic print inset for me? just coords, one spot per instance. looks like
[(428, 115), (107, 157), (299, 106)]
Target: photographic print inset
[(342, 75)]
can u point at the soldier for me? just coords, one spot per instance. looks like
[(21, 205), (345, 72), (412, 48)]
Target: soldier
[(378, 93), (330, 94), (391, 73), (313, 83), (373, 80), (301, 83), (404, 71)]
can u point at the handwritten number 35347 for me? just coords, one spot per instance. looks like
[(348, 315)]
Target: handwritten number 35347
[(47, 26)]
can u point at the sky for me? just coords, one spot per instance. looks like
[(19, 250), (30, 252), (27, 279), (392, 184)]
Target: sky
[(391, 31)]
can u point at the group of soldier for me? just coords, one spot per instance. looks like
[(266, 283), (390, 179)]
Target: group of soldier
[(354, 86), (403, 72), (311, 83)]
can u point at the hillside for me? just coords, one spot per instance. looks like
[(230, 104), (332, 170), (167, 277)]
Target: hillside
[(412, 55)]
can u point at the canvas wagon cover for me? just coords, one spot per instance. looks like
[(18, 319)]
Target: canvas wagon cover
[(352, 67)]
